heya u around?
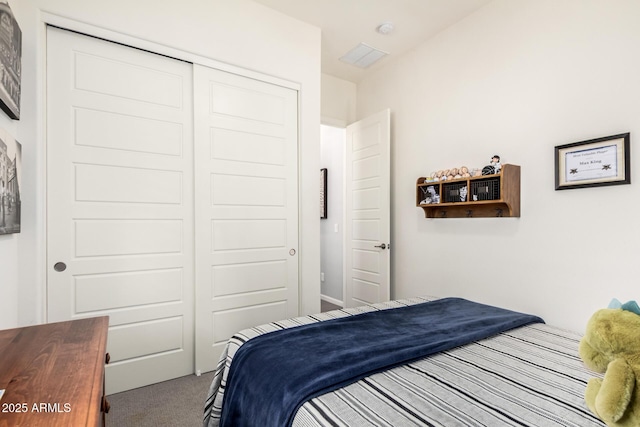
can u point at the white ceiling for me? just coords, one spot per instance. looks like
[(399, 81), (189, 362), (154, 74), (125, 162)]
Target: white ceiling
[(345, 23)]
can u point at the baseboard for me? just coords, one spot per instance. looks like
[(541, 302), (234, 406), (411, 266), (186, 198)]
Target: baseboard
[(331, 300)]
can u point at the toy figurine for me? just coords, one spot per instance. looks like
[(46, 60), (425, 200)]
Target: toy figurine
[(463, 194), (430, 196), (495, 161), (493, 167)]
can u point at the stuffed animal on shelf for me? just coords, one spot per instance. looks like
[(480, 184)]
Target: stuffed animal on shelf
[(611, 345), (430, 195), (453, 172), (495, 162), (493, 167)]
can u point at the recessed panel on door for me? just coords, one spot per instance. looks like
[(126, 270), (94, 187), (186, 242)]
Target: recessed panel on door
[(249, 234), (101, 183), (127, 237), (366, 168), (235, 279), (228, 322), (248, 101), (104, 74), (366, 260), (144, 339), (126, 132), (366, 229), (239, 190), (248, 147), (97, 292), (366, 198), (367, 136), (365, 292)]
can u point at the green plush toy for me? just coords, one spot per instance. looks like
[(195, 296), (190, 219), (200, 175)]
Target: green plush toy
[(611, 345)]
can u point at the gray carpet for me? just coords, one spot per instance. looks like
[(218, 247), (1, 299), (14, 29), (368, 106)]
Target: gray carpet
[(174, 403), (327, 306)]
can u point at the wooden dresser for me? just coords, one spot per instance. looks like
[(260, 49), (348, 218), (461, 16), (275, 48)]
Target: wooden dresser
[(53, 374)]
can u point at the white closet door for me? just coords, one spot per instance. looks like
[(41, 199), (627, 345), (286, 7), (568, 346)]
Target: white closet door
[(120, 202), (246, 207)]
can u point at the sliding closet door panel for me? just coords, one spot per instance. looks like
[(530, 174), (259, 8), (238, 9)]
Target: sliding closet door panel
[(246, 207), (120, 202)]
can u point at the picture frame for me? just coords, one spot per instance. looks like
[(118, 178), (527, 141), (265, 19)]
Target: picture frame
[(323, 193), (10, 183), (10, 62), (593, 163)]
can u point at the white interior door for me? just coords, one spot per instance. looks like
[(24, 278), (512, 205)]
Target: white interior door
[(120, 202), (367, 210), (246, 179)]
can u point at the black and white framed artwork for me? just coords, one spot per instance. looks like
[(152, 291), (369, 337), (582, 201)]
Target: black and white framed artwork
[(10, 62), (10, 180), (323, 193)]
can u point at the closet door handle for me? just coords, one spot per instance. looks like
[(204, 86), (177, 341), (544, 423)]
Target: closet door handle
[(382, 246), (59, 267)]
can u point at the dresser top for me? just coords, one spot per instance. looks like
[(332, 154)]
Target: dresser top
[(53, 374)]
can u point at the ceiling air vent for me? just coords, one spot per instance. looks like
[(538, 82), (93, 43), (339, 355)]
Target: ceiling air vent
[(363, 55)]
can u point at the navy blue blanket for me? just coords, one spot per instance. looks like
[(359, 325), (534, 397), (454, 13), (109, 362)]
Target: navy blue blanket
[(272, 375)]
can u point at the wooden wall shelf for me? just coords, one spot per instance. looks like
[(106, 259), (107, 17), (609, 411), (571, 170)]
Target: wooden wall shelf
[(483, 196)]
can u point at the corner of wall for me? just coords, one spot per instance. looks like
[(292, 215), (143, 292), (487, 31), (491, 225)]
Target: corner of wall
[(338, 101)]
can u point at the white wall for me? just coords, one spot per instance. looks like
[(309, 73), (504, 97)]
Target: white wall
[(332, 140), (8, 280), (338, 104), (23, 130), (518, 78), (237, 32)]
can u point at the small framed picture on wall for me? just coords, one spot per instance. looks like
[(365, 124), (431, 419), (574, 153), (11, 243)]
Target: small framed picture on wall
[(593, 163), (10, 183), (323, 193), (10, 62)]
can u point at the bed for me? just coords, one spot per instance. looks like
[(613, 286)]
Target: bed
[(524, 376)]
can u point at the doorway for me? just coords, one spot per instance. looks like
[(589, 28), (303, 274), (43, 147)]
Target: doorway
[(356, 234), (332, 143)]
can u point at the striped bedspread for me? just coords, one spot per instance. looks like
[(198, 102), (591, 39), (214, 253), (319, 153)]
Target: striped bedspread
[(530, 376)]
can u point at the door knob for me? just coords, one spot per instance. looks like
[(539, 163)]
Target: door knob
[(382, 246), (59, 266)]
